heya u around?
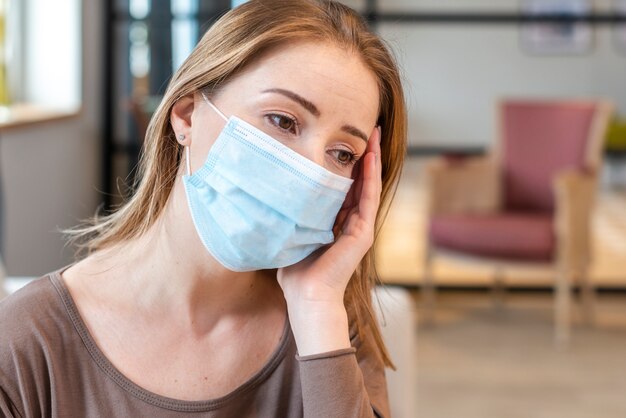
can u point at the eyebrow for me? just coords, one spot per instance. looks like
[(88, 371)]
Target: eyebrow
[(298, 99), (308, 105), (354, 131)]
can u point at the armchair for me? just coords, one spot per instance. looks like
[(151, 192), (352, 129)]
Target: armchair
[(529, 200)]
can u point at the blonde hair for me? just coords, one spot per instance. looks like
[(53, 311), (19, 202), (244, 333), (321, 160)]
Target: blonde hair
[(232, 43)]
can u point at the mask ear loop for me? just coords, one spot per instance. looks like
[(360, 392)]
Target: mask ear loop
[(187, 161), (213, 106)]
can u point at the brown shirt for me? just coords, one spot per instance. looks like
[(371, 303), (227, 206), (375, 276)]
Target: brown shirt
[(50, 366)]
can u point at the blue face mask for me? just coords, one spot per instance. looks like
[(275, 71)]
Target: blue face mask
[(257, 204)]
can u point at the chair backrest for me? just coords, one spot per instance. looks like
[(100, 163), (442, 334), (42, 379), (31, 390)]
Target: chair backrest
[(540, 138)]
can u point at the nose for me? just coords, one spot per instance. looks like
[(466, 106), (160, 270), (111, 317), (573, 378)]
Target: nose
[(311, 148)]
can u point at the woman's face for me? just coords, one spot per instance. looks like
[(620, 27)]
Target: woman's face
[(317, 99)]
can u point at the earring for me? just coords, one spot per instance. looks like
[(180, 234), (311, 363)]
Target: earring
[(181, 137)]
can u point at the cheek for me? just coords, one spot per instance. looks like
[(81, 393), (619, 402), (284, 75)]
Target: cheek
[(202, 140)]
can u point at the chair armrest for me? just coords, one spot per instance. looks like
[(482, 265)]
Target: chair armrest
[(467, 185), (575, 193), (395, 310)]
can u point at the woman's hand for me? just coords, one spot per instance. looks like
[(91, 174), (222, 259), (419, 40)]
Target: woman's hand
[(314, 287)]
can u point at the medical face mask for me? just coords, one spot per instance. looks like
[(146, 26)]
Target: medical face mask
[(257, 204)]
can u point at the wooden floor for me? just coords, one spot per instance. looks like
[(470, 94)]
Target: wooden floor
[(401, 243), (480, 361)]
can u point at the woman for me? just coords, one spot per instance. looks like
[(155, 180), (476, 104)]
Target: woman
[(236, 281)]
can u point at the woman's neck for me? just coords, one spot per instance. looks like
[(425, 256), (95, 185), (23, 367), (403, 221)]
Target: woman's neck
[(168, 273)]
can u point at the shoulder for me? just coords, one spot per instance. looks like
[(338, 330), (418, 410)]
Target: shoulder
[(28, 308), (32, 321)]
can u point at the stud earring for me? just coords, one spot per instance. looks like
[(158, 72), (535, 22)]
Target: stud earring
[(181, 137)]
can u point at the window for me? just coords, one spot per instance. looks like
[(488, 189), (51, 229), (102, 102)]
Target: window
[(4, 93), (40, 53), (52, 53)]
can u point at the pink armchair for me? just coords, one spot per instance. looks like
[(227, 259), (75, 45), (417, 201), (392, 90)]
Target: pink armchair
[(529, 201)]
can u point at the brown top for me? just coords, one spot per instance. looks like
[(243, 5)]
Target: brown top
[(50, 366)]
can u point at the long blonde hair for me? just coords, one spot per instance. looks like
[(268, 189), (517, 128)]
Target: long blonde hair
[(232, 43)]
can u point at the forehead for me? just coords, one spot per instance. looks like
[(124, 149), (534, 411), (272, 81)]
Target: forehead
[(322, 72)]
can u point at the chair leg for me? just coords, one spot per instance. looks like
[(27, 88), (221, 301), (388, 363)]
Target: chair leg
[(498, 291), (428, 290), (587, 297), (562, 308)]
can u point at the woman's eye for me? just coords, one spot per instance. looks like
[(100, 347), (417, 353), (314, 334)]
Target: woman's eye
[(284, 123), (344, 157)]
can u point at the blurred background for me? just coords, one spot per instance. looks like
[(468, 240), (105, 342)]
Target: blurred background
[(507, 236)]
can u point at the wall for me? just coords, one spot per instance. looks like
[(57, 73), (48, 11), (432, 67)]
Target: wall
[(50, 172), (454, 72)]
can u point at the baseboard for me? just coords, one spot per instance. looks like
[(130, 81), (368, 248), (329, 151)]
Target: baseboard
[(510, 288)]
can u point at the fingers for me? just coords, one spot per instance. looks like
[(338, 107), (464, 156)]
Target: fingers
[(372, 183)]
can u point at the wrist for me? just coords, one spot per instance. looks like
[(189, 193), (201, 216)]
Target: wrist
[(315, 297), (319, 327)]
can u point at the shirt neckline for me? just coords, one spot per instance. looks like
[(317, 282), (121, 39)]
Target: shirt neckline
[(150, 397)]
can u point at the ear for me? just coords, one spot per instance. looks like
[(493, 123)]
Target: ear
[(180, 119)]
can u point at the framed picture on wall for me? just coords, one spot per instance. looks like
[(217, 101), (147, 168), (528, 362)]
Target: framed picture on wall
[(556, 38), (619, 31)]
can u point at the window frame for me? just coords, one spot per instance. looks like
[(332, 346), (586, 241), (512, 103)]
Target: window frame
[(14, 37)]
